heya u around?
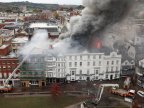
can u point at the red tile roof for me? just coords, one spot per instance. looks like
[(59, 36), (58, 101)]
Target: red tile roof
[(2, 25)]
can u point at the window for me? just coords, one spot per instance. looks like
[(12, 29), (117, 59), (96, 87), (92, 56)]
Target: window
[(99, 63), (9, 67), (80, 72), (88, 63), (5, 75), (70, 57), (73, 73), (4, 67), (75, 63), (96, 77), (116, 68), (132, 62), (75, 57), (94, 57), (116, 75), (88, 72), (96, 71), (99, 56), (112, 69), (106, 76), (112, 62), (80, 57), (8, 62), (107, 62), (80, 63), (93, 63), (70, 64), (3, 62), (50, 69)]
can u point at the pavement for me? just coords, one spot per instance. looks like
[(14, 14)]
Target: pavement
[(107, 99), (77, 105)]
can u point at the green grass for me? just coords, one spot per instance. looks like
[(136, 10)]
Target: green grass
[(38, 102)]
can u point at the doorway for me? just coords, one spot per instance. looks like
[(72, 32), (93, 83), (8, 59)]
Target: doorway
[(111, 77)]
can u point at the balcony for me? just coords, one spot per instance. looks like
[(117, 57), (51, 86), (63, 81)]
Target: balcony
[(113, 72)]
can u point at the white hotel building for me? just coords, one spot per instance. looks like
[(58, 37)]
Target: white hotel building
[(84, 66)]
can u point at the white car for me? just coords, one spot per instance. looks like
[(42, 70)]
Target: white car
[(141, 93)]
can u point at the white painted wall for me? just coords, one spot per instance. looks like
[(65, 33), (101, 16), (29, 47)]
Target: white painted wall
[(94, 66)]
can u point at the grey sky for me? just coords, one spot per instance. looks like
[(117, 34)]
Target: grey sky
[(49, 1)]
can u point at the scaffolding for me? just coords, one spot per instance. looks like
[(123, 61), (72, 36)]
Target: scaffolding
[(33, 70)]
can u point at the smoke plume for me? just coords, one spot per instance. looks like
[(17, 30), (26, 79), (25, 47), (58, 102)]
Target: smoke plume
[(97, 16), (37, 45)]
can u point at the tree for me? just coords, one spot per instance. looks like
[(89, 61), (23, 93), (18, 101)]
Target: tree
[(8, 10), (37, 10), (55, 90)]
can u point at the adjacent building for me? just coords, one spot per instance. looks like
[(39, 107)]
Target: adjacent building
[(5, 50), (55, 69), (7, 66), (52, 29), (33, 71), (18, 43), (93, 66), (44, 69)]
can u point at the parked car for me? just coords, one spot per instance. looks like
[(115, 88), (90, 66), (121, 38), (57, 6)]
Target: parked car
[(141, 93)]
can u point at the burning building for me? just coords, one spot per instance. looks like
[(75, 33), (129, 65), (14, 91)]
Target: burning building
[(97, 17), (84, 33), (7, 66)]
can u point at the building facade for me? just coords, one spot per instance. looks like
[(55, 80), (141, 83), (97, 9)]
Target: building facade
[(18, 43), (7, 66), (55, 69), (43, 69), (53, 30), (5, 50), (32, 71), (93, 66)]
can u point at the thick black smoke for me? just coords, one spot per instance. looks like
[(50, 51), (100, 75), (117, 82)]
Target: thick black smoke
[(96, 17)]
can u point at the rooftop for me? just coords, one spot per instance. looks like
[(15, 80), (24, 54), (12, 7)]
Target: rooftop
[(4, 46), (41, 25), (20, 40), (5, 32)]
